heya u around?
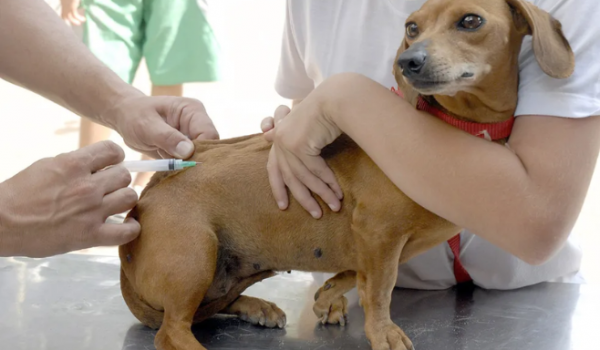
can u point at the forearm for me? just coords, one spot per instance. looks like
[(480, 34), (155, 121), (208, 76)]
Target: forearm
[(497, 193), (41, 54)]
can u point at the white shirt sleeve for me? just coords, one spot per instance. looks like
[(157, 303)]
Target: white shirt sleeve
[(579, 95), (292, 81)]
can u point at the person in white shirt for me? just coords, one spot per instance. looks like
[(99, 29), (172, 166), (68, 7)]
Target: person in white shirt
[(521, 236)]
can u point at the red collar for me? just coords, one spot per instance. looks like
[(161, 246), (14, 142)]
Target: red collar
[(488, 131)]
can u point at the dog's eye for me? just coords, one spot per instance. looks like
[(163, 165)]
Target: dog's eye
[(471, 22), (412, 30)]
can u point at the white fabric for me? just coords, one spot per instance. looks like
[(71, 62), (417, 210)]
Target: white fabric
[(322, 38)]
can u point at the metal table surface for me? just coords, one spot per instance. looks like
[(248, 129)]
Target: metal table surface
[(74, 302)]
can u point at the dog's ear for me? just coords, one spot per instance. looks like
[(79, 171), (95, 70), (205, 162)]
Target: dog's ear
[(551, 48), (410, 94)]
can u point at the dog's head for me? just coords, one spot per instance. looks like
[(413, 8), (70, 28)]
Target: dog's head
[(457, 45)]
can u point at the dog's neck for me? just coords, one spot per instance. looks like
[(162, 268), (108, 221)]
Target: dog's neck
[(495, 99)]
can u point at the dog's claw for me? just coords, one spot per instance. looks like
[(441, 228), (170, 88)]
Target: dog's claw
[(343, 321), (325, 318), (281, 322)]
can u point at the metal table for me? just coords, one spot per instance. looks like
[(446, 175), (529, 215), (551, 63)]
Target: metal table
[(74, 302)]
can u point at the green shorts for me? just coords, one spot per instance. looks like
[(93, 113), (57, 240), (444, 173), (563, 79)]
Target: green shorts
[(173, 36)]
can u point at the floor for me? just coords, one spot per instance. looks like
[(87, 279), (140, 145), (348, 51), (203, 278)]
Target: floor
[(37, 128)]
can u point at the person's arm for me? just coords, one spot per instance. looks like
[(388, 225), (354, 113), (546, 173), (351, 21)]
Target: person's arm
[(525, 199), (61, 204), (292, 80), (40, 53)]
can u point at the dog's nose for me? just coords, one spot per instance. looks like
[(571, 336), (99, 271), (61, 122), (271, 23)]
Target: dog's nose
[(412, 61)]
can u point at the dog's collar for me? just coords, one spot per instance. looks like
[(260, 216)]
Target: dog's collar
[(488, 131)]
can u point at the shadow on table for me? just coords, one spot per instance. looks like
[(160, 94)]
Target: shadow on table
[(537, 317)]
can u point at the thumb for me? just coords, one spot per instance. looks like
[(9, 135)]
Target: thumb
[(269, 135), (268, 127), (169, 139), (267, 124)]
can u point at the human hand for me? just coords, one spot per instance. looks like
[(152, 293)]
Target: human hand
[(295, 161), (161, 126), (70, 12), (61, 204)]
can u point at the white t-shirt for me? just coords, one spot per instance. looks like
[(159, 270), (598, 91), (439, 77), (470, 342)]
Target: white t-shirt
[(322, 38)]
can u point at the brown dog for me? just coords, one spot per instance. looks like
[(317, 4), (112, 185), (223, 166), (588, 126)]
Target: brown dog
[(210, 232)]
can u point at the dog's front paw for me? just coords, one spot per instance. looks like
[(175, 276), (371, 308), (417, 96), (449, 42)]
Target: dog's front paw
[(388, 337), (258, 312), (332, 311)]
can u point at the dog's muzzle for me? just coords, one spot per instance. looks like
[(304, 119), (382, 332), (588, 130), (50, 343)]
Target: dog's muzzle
[(413, 61)]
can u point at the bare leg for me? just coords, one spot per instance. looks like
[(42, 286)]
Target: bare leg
[(167, 90), (90, 132)]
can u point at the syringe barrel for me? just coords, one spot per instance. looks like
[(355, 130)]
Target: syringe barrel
[(152, 165)]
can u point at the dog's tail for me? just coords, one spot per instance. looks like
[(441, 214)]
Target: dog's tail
[(149, 316)]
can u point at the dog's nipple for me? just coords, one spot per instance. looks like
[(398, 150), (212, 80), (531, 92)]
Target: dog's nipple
[(128, 258), (318, 253)]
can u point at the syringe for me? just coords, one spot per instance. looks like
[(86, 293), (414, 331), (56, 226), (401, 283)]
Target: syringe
[(135, 166)]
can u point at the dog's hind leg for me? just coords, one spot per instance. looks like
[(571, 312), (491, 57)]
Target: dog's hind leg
[(186, 277), (257, 311), (330, 303), (249, 309), (142, 311), (225, 304)]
